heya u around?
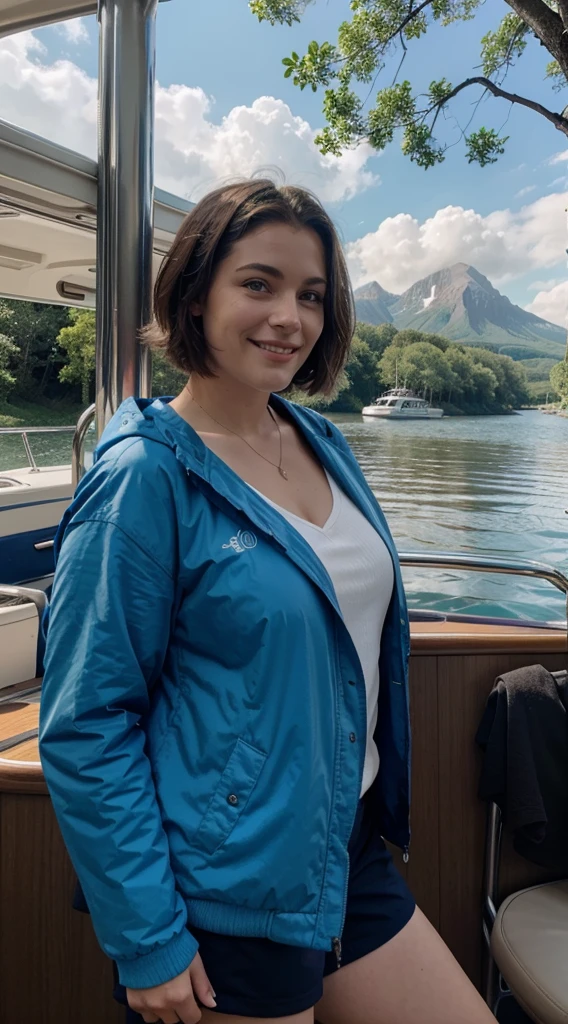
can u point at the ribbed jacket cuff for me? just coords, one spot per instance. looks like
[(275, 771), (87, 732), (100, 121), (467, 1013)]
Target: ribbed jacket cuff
[(161, 965)]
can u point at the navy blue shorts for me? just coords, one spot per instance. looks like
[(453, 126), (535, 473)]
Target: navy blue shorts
[(260, 978)]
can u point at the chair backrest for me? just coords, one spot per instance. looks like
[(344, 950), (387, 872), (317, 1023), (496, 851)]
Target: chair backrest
[(494, 841)]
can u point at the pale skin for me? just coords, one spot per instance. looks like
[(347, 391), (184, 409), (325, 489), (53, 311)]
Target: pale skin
[(414, 976)]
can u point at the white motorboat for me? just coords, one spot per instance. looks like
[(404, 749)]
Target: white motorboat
[(48, 207), (402, 404)]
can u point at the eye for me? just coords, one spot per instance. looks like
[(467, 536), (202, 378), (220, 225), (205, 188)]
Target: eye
[(255, 286), (313, 296)]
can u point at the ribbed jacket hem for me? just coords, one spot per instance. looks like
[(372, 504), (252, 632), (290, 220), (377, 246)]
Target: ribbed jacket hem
[(161, 965), (292, 929)]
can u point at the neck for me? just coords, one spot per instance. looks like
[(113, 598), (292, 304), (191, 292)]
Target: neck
[(241, 408)]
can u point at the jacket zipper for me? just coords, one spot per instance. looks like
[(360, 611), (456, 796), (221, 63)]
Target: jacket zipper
[(337, 949)]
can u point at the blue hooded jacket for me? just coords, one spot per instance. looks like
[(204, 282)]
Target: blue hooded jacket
[(203, 716)]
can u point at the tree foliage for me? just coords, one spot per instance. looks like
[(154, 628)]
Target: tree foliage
[(8, 355), (460, 377), (78, 342), (379, 33), (166, 380), (559, 381), (33, 328)]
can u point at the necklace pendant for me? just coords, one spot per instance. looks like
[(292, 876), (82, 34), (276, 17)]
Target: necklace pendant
[(283, 472)]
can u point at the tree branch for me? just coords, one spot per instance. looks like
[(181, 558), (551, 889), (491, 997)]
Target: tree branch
[(412, 14), (381, 43), (563, 12), (557, 120), (546, 24)]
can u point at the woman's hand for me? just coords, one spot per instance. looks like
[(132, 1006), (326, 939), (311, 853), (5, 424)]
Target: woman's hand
[(174, 1000)]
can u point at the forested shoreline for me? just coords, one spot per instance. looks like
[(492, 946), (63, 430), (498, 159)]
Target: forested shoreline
[(47, 369)]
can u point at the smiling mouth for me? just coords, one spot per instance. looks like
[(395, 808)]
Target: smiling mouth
[(279, 350)]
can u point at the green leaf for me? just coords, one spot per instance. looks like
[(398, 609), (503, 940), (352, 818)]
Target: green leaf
[(484, 146), (502, 48), (372, 43)]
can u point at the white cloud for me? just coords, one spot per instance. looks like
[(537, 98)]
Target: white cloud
[(525, 191), (74, 30), (544, 286), (58, 101), (552, 304), (193, 153), (558, 158), (503, 245)]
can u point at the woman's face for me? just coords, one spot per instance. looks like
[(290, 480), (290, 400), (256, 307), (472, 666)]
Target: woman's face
[(264, 311)]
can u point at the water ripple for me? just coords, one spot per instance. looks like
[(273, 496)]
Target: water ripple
[(482, 485)]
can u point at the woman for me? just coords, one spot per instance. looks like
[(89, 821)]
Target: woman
[(221, 757)]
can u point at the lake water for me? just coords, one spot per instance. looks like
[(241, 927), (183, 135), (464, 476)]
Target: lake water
[(487, 485)]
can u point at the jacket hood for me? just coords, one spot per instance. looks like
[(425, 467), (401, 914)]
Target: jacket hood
[(152, 418)]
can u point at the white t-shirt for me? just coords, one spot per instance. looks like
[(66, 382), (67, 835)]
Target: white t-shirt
[(361, 570)]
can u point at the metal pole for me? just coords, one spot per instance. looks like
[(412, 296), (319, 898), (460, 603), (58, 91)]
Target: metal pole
[(125, 200), (31, 460)]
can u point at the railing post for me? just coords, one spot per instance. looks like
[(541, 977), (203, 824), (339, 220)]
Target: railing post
[(31, 460), (77, 463)]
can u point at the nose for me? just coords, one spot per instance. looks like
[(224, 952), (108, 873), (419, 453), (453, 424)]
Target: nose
[(284, 314)]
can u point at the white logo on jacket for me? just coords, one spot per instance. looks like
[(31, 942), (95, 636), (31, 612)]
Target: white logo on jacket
[(244, 540)]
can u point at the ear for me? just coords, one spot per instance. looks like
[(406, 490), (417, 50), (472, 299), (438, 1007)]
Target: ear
[(195, 308)]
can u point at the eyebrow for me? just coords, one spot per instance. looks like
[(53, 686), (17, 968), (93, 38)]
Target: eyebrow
[(265, 268)]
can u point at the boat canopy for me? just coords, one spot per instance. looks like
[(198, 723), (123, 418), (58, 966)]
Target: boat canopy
[(48, 212), (17, 15)]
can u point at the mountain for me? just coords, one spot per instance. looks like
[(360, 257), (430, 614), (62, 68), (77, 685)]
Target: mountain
[(373, 304), (461, 304)]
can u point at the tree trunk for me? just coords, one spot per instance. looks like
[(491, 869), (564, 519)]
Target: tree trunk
[(547, 25)]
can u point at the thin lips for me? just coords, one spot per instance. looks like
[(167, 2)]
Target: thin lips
[(274, 344)]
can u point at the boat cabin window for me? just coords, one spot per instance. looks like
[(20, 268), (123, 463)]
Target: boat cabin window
[(392, 401)]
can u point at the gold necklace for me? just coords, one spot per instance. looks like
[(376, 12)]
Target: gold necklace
[(282, 472)]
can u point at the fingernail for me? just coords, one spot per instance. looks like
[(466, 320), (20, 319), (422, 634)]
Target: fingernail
[(210, 1000)]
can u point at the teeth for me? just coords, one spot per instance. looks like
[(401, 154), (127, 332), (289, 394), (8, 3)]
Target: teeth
[(274, 348)]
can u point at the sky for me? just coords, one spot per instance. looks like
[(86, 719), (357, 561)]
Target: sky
[(224, 109)]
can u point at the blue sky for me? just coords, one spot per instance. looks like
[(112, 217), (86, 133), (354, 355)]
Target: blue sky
[(227, 60)]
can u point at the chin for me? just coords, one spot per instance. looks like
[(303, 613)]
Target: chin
[(271, 381)]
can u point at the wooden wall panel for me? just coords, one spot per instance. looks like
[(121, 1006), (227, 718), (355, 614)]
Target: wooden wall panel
[(423, 868), (53, 971)]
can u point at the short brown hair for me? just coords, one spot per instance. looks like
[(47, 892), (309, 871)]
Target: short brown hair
[(206, 237)]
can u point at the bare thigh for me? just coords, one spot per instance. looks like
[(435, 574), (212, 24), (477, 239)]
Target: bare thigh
[(207, 1017), (414, 977)]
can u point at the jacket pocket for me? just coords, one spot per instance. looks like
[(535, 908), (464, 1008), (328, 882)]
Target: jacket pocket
[(231, 796)]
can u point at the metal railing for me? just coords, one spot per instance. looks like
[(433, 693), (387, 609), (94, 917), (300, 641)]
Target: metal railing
[(80, 432), (475, 563), (24, 431), (37, 597)]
